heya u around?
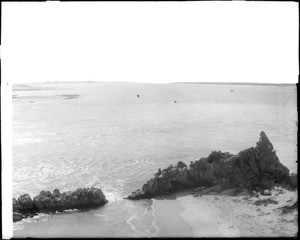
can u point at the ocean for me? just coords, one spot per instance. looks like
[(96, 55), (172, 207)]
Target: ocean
[(116, 135)]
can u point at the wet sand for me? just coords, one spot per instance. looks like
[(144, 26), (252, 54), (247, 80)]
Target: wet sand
[(168, 220), (182, 215)]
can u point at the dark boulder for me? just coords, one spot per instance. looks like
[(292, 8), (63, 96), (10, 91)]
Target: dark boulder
[(18, 216), (25, 203), (257, 168)]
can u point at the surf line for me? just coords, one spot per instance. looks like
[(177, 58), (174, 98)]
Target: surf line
[(144, 232), (134, 216), (133, 227), (154, 217)]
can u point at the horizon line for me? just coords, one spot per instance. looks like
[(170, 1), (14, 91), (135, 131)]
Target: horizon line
[(204, 83)]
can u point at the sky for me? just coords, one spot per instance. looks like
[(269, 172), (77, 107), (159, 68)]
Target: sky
[(156, 42)]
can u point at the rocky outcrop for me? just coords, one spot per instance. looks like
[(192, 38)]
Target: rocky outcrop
[(256, 168), (46, 201)]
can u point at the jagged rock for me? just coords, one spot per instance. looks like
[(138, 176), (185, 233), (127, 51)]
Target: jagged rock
[(158, 173), (181, 164), (264, 142), (56, 201), (16, 205), (256, 168), (138, 194)]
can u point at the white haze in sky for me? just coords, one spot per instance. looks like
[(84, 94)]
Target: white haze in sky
[(154, 42)]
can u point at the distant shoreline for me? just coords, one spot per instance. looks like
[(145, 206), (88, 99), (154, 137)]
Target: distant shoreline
[(189, 83), (238, 83)]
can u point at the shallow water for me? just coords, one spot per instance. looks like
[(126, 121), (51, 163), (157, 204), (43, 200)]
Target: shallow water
[(75, 135)]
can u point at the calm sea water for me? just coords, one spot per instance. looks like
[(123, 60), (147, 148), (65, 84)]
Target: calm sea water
[(109, 137)]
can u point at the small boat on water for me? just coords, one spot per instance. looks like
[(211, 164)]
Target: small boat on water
[(231, 90)]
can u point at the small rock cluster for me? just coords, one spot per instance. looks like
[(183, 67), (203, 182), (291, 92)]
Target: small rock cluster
[(82, 198), (265, 202)]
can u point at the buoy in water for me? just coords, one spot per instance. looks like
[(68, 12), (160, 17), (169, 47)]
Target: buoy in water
[(138, 95), (175, 101)]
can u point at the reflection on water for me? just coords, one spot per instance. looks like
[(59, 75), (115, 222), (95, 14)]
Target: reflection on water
[(110, 138)]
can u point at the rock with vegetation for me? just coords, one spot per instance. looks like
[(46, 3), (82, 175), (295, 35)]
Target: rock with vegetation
[(256, 168), (82, 198)]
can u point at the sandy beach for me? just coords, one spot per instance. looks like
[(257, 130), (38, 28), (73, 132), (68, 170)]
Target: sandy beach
[(226, 216), (167, 211)]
